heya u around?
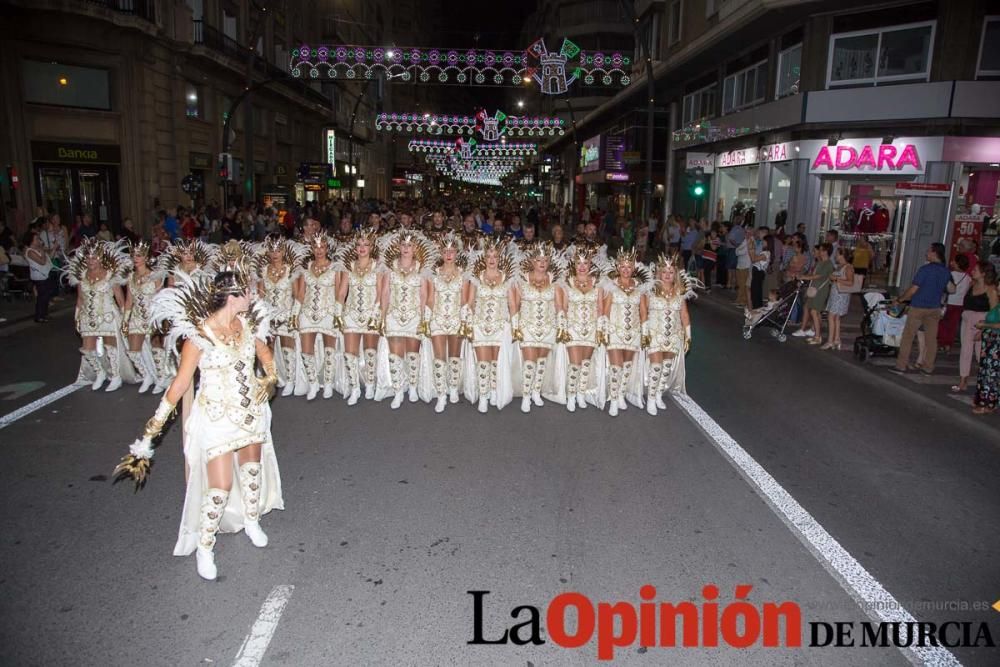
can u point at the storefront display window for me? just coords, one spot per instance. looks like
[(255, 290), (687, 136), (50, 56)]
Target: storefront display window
[(737, 191), (778, 196)]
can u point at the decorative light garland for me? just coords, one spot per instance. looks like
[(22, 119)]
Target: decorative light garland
[(471, 147), (490, 128), (464, 66), (705, 131)]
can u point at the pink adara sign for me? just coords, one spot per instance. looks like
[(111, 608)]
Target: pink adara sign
[(867, 159)]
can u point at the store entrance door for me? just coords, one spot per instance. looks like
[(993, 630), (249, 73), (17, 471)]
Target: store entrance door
[(77, 190), (899, 228)]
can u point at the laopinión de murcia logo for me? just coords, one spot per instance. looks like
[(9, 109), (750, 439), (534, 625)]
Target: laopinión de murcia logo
[(572, 621)]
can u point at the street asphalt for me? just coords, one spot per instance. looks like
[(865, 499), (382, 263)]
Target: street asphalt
[(393, 516)]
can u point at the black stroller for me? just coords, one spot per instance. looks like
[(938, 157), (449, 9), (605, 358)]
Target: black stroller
[(881, 326), (775, 314)]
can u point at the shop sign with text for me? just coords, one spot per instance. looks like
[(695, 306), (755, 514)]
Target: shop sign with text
[(766, 153), (703, 161), (869, 156)]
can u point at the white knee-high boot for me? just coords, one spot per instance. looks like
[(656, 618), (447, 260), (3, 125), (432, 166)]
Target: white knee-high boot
[(309, 363), (413, 375), (140, 370), (614, 389), (329, 371), (528, 369), (653, 389), (584, 384), (396, 377), (627, 368), (288, 355), (353, 378), (440, 384), (536, 389), (250, 491), (483, 378), (213, 505), (572, 381), (114, 371), (370, 377), (454, 378)]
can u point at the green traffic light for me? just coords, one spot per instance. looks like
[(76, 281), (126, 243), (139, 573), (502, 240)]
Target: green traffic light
[(698, 191)]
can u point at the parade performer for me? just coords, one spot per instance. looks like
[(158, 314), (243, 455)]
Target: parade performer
[(316, 292), (491, 303), (227, 434), (667, 330), (623, 307), (445, 308), (194, 259), (358, 310), (582, 315), (137, 325), (98, 270), (277, 289), (539, 314), (403, 285)]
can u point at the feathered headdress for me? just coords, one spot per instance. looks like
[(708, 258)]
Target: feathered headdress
[(452, 241), (240, 253), (424, 250), (202, 252), (686, 284), (586, 254), (507, 263), (291, 253), (112, 255), (640, 272), (140, 248), (347, 253), (542, 250), (315, 245)]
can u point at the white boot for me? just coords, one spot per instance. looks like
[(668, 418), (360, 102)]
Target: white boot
[(536, 389), (440, 384), (329, 368), (353, 378), (288, 354), (413, 375), (213, 505), (250, 475), (454, 378), (140, 370), (494, 370), (87, 366), (668, 367), (309, 363), (370, 377), (572, 380), (614, 389), (396, 377), (114, 372), (654, 386), (99, 371), (626, 375), (527, 382), (483, 378), (160, 366), (581, 400)]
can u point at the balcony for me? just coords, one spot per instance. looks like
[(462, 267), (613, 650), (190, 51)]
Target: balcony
[(221, 43), (144, 9)]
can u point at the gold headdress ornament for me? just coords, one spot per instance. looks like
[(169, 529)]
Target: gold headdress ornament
[(501, 246), (626, 256), (540, 250), (684, 283), (171, 258), (640, 272), (141, 248), (449, 240), (315, 244), (663, 260), (290, 252), (424, 250), (111, 254)]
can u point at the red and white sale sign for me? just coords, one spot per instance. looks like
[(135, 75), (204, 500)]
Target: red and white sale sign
[(966, 227)]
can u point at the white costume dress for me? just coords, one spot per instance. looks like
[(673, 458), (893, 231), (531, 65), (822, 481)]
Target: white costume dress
[(148, 361), (360, 310), (402, 320), (582, 313), (317, 316), (224, 418), (490, 328), (446, 320), (625, 333), (279, 295), (666, 334), (537, 324)]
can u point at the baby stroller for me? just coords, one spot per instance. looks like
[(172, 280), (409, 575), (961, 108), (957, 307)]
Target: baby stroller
[(775, 313), (881, 326)]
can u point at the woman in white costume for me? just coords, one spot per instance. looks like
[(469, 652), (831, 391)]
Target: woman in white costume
[(623, 307), (539, 307), (316, 294), (490, 299), (227, 434), (582, 313), (137, 327), (277, 289), (403, 286), (194, 259), (445, 316), (358, 310), (668, 330), (98, 270)]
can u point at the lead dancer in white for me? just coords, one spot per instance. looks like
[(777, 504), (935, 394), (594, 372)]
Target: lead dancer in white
[(445, 315), (228, 432), (667, 330)]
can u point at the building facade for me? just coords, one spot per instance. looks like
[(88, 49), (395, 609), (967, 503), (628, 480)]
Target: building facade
[(827, 113), (113, 104)]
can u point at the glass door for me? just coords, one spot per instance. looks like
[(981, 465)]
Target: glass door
[(899, 228), (95, 195), (55, 185)]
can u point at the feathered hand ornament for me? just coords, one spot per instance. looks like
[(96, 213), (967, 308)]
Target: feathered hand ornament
[(137, 463), (265, 385)]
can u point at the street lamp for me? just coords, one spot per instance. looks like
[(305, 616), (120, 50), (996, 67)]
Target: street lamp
[(520, 104)]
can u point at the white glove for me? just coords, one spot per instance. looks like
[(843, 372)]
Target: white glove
[(141, 448)]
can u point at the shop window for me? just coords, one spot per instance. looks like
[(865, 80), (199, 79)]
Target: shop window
[(700, 104), (193, 101), (789, 68), (745, 88), (66, 85), (676, 14), (989, 48), (900, 53)]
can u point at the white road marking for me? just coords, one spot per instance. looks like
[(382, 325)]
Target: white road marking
[(873, 598), (256, 643), (26, 410)]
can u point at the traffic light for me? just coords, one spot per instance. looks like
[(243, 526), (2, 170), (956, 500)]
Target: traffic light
[(226, 166), (696, 182)]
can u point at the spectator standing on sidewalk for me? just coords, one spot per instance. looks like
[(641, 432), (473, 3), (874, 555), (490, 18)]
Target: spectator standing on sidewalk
[(40, 265), (981, 297), (820, 277), (734, 239), (760, 258), (952, 319), (839, 301), (743, 266), (988, 381), (929, 285)]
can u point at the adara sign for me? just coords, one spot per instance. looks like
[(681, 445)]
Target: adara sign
[(861, 158)]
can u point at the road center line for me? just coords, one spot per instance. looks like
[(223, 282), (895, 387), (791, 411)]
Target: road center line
[(26, 410), (872, 597), (256, 643)]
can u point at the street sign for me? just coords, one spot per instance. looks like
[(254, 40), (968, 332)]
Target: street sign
[(923, 189), (315, 173), (193, 183), (966, 227)]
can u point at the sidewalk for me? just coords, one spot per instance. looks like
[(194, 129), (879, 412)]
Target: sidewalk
[(23, 310), (936, 386)]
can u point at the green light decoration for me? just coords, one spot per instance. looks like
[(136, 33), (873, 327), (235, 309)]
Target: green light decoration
[(705, 131)]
